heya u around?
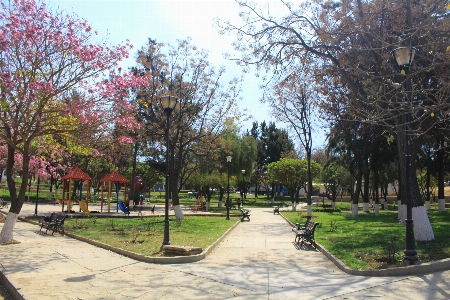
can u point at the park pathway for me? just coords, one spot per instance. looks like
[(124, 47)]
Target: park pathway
[(256, 260)]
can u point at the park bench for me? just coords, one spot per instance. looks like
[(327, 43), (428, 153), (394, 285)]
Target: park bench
[(276, 210), (245, 213), (306, 233), (55, 222), (3, 204)]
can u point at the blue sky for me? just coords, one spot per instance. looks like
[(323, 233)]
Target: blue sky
[(169, 20)]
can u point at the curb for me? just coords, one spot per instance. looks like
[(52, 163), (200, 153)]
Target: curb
[(145, 258), (10, 287), (431, 267)]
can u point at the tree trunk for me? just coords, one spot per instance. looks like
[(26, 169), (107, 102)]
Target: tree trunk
[(6, 235), (422, 227), (309, 183), (355, 195), (366, 186), (440, 171)]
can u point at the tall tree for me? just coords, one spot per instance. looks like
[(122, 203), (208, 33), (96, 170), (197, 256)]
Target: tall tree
[(294, 100), (45, 56), (197, 121), (273, 143), (353, 42)]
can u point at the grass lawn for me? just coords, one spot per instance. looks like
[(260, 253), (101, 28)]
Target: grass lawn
[(374, 242), (145, 235)]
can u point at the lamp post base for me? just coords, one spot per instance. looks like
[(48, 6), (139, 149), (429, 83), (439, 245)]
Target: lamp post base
[(411, 260)]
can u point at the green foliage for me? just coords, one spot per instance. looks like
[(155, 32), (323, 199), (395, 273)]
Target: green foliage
[(292, 173), (358, 240)]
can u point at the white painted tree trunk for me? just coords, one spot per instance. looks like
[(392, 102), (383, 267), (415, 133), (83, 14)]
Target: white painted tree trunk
[(366, 207), (309, 207), (268, 201), (207, 206), (333, 204), (354, 209), (6, 236), (220, 204), (441, 205), (402, 212), (399, 213), (427, 205), (294, 206), (273, 200), (178, 212), (377, 209), (422, 226)]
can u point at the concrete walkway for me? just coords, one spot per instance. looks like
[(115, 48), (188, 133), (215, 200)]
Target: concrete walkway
[(256, 260)]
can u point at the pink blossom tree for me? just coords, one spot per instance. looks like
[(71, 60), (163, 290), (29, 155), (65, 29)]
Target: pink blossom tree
[(55, 82)]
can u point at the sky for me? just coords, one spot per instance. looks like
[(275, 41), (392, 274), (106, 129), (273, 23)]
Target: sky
[(168, 21)]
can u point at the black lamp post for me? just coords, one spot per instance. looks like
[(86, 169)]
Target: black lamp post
[(168, 102), (37, 196), (244, 185), (228, 199), (404, 57)]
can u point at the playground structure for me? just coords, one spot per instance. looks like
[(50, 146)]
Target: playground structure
[(84, 208), (68, 179), (118, 180), (138, 187)]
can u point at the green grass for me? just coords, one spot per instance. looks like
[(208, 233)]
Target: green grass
[(145, 235), (362, 242)]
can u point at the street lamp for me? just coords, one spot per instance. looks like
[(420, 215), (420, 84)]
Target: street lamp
[(244, 185), (168, 102), (404, 57), (228, 199)]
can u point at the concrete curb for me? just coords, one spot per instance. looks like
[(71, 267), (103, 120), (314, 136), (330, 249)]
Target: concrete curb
[(432, 267), (10, 287), (144, 258)]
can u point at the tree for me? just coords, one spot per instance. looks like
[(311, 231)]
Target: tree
[(293, 99), (353, 44), (273, 143), (45, 56), (199, 116), (336, 179), (292, 174)]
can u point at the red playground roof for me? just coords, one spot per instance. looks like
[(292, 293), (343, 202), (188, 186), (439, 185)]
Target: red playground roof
[(114, 176)]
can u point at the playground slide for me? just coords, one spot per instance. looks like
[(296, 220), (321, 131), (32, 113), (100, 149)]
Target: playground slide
[(123, 208), (84, 208)]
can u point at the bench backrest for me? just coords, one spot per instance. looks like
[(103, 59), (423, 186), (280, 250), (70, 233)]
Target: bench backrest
[(311, 227), (58, 217)]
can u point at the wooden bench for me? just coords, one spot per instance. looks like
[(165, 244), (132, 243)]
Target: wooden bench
[(306, 233), (55, 222)]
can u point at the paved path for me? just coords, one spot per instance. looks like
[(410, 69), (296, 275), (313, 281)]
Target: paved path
[(257, 260)]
